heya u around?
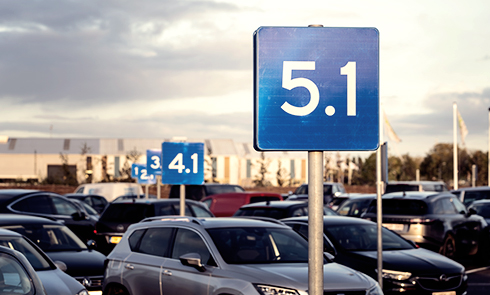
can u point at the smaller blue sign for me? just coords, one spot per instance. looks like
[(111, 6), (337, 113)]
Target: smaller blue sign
[(135, 169), (143, 176), (182, 163), (154, 162)]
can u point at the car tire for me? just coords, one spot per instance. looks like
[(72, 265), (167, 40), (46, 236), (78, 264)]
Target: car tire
[(448, 249), (115, 290)]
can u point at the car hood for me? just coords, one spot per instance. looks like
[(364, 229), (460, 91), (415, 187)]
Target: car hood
[(295, 275), (56, 282), (80, 263), (419, 261)]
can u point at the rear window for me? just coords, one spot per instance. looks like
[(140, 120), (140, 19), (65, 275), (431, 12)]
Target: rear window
[(263, 199), (391, 188), (127, 212), (264, 212), (401, 207), (220, 189)]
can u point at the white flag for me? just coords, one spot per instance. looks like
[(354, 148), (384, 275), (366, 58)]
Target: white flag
[(462, 127), (390, 132)]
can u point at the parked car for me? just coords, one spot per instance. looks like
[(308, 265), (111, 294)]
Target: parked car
[(110, 190), (225, 255), (437, 221), (89, 211), (356, 205), (407, 269), (48, 204), (21, 277), (330, 189), (468, 195), (419, 186), (116, 218), (95, 201), (61, 245), (338, 200), (226, 204), (482, 208), (198, 191), (278, 209), (54, 280)]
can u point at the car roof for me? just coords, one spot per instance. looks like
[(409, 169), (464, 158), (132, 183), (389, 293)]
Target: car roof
[(357, 196), (485, 201), (149, 201), (7, 232), (476, 188), (10, 219), (274, 204), (415, 195), (416, 182), (331, 220), (213, 222), (80, 195)]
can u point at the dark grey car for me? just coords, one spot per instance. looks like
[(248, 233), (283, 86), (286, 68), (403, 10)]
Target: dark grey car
[(437, 221), (330, 189), (218, 256), (468, 195)]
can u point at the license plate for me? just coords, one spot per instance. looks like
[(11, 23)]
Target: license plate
[(395, 227), (115, 240), (444, 293)]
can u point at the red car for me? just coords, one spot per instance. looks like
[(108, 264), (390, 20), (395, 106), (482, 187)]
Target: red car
[(226, 204)]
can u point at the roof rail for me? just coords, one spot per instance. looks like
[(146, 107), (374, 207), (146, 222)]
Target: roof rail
[(173, 218), (263, 218)]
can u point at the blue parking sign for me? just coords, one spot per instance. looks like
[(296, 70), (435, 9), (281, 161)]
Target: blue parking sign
[(143, 177), (316, 89), (182, 163), (154, 162)]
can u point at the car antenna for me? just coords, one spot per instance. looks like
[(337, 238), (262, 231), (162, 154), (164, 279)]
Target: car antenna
[(404, 193)]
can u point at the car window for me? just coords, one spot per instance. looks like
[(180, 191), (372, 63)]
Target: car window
[(134, 239), (220, 189), (13, 277), (188, 241), (64, 207), (444, 206), (200, 212), (302, 212), (167, 209), (265, 212), (156, 241), (36, 204), (37, 260), (177, 209), (302, 190), (459, 206), (401, 207), (127, 212), (263, 199), (482, 209)]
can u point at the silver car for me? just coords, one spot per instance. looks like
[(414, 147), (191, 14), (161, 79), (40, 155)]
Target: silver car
[(55, 281), (188, 256)]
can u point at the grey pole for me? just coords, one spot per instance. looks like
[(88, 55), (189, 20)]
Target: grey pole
[(379, 217), (315, 221), (488, 169), (455, 146), (147, 186), (159, 184)]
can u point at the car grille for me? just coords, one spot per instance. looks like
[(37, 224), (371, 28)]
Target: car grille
[(91, 283), (362, 292), (440, 283)]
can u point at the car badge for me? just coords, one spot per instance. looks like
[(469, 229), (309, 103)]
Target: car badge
[(120, 227), (86, 282), (443, 277)]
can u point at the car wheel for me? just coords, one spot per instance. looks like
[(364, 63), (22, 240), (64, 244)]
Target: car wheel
[(448, 249), (116, 290)]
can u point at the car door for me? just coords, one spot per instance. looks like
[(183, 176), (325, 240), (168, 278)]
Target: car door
[(187, 280), (73, 218), (142, 269), (467, 227)]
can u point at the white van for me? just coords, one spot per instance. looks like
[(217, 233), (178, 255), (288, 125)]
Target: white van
[(110, 190)]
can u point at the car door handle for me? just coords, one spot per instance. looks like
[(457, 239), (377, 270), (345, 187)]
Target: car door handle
[(129, 266), (167, 273)]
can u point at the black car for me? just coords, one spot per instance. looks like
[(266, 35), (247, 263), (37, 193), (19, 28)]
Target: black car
[(418, 186), (61, 245), (120, 214), (407, 269), (468, 195), (437, 221), (48, 204), (356, 205), (330, 190), (278, 209), (95, 201), (198, 191)]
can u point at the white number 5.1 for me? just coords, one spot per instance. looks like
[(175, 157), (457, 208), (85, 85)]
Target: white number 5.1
[(178, 163), (288, 83)]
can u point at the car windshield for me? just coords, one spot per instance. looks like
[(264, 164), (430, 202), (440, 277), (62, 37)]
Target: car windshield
[(127, 212), (363, 237), (391, 188), (50, 237), (482, 209), (36, 259), (260, 245)]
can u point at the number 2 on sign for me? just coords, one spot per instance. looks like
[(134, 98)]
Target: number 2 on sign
[(288, 83), (178, 163)]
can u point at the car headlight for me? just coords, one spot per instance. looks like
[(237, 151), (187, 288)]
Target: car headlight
[(82, 292), (376, 290), (273, 290), (396, 275)]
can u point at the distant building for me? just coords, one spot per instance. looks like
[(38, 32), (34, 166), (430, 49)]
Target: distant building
[(96, 160)]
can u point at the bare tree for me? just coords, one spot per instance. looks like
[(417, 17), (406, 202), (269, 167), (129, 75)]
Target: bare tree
[(281, 174), (131, 157), (261, 178)]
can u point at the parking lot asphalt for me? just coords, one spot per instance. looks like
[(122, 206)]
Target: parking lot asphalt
[(478, 277)]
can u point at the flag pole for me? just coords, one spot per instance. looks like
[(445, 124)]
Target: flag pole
[(455, 146)]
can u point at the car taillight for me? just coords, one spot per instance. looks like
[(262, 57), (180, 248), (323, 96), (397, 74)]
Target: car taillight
[(421, 220)]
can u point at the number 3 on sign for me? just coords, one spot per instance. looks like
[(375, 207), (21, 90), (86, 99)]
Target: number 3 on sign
[(288, 83), (178, 163)]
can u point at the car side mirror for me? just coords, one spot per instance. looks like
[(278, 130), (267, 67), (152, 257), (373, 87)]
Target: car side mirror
[(61, 265), (192, 259), (472, 211), (329, 256), (91, 245), (77, 216)]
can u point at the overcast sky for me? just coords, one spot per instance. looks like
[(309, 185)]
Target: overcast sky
[(160, 68)]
